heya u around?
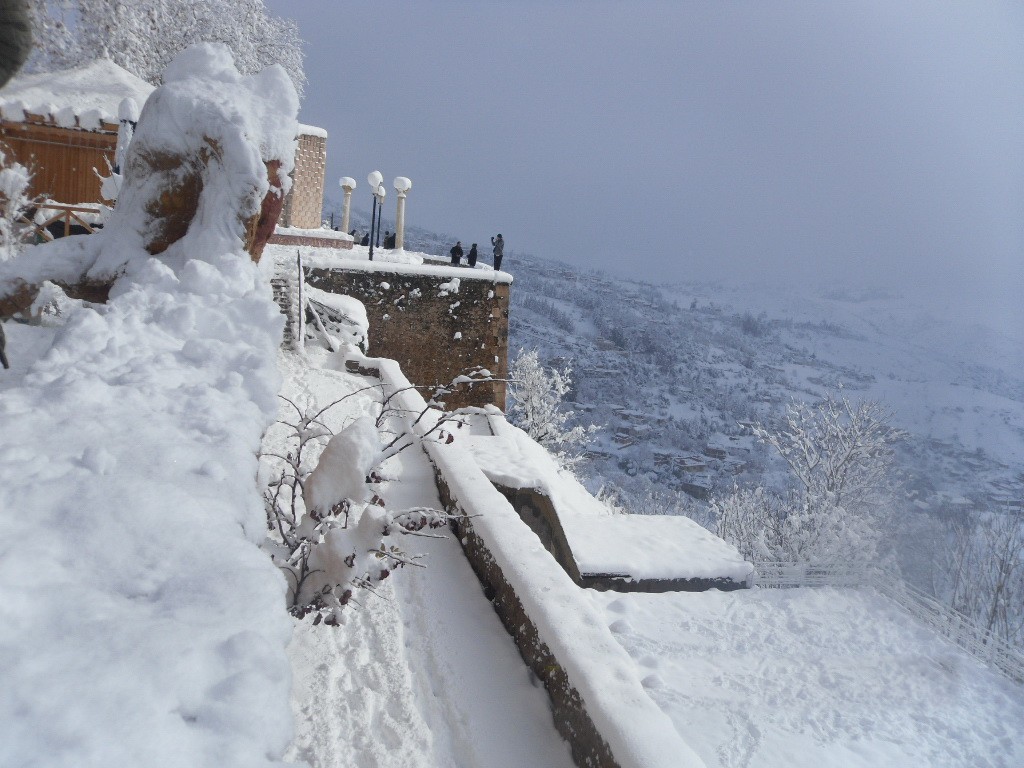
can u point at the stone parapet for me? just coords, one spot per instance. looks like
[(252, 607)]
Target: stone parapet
[(434, 330), (598, 702)]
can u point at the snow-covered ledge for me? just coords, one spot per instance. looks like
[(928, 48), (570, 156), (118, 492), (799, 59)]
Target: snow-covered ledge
[(599, 704), (649, 553)]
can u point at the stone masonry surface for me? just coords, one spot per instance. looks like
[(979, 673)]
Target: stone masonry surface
[(303, 205), (433, 332)]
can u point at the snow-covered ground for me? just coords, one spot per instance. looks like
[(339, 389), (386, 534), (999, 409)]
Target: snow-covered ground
[(815, 678)]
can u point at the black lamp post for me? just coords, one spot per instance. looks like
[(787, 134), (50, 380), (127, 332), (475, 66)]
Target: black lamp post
[(380, 210), (376, 182)]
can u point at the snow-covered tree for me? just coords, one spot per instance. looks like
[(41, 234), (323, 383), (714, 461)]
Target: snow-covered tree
[(840, 452), (144, 35), (536, 393), (986, 572), (841, 463), (14, 183)]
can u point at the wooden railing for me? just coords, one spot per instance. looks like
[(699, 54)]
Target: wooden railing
[(68, 214)]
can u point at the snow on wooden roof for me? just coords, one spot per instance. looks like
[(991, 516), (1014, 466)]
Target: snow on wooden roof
[(91, 93)]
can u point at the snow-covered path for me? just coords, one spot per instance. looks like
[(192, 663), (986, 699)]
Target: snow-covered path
[(422, 674)]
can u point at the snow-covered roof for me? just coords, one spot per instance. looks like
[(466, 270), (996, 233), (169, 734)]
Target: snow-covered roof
[(92, 92)]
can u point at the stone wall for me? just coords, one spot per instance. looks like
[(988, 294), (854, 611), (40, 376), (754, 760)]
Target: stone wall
[(303, 206), (571, 718), (433, 333)]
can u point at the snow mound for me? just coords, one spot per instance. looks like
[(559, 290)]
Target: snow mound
[(140, 624)]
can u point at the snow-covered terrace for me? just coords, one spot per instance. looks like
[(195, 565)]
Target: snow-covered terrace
[(391, 261), (623, 551)]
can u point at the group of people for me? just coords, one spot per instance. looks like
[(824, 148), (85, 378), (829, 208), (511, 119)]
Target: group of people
[(499, 251), (389, 238)]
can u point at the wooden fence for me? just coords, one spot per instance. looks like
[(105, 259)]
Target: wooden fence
[(61, 159), (68, 215)]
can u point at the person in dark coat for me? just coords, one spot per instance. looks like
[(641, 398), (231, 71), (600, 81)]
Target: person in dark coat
[(389, 239), (472, 256), (3, 348), (366, 239), (456, 253), (499, 249)]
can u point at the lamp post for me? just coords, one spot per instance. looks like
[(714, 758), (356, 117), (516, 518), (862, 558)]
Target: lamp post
[(376, 180), (402, 187), (348, 184), (381, 192)]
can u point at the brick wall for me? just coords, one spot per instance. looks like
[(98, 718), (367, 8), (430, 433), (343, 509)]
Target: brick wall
[(433, 337), (304, 204)]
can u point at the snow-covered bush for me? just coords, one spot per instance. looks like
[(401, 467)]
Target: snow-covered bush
[(537, 393), (328, 520), (14, 200), (840, 458)]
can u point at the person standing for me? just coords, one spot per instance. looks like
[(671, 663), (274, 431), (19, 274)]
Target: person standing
[(456, 253), (499, 250), (3, 348), (472, 256)]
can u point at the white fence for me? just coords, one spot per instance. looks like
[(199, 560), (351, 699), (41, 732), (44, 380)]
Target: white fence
[(952, 625)]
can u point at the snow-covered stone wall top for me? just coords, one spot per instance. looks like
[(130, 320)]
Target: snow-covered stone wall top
[(312, 130), (651, 547), (633, 546)]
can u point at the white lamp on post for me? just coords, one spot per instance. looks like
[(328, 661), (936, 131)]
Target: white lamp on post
[(402, 187), (347, 184)]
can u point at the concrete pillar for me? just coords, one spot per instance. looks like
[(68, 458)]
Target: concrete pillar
[(347, 184), (402, 187)]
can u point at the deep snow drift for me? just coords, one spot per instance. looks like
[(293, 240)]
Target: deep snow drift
[(140, 624)]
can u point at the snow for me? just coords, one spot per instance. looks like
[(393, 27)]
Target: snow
[(351, 311), (312, 130), (636, 732), (343, 466), (93, 92), (328, 234), (390, 261), (651, 547), (815, 678), (638, 546), (140, 623)]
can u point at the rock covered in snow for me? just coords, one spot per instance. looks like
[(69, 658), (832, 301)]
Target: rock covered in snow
[(210, 144)]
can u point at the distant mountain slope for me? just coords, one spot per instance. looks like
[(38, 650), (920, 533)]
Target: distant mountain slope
[(673, 373)]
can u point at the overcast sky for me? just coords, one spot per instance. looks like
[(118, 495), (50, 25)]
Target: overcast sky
[(869, 141)]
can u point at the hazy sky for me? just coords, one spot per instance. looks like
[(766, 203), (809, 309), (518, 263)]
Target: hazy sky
[(875, 141)]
